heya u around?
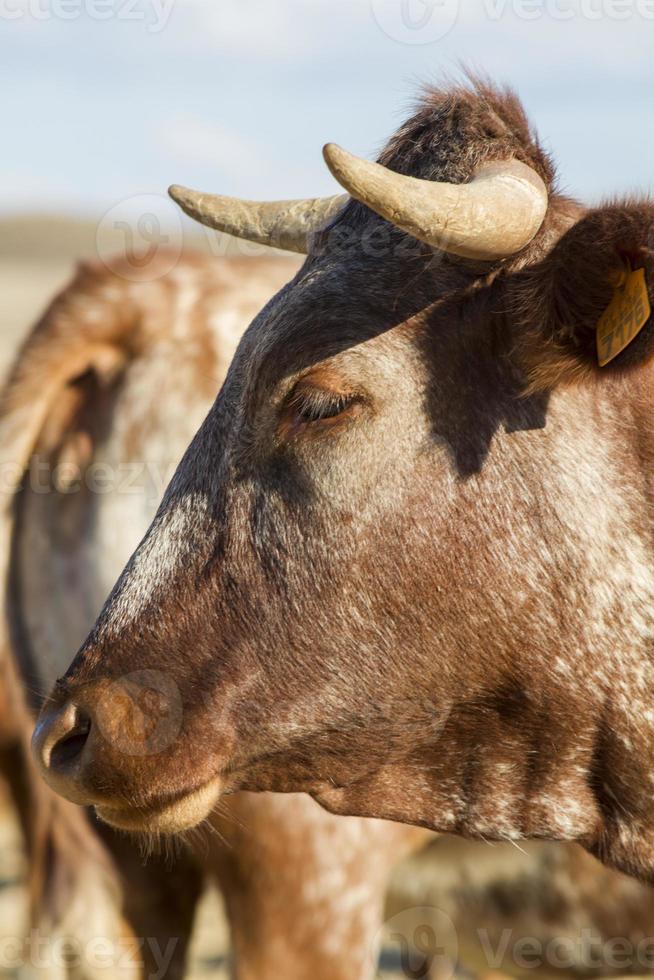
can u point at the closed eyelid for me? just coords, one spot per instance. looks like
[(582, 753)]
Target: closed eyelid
[(309, 406), (308, 395), (323, 381)]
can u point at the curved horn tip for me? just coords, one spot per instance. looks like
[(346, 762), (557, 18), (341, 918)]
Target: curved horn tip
[(179, 193), (191, 202), (336, 157)]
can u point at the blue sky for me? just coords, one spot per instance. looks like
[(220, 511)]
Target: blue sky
[(106, 99)]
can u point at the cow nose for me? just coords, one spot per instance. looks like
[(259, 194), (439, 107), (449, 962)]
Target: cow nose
[(58, 744)]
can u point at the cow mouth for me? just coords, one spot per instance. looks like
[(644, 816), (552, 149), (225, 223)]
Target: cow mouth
[(168, 817)]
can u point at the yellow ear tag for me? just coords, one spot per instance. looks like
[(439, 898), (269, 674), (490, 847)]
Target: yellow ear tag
[(624, 317)]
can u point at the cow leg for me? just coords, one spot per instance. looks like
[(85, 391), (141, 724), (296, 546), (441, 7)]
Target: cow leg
[(304, 890), (149, 937), (160, 897)]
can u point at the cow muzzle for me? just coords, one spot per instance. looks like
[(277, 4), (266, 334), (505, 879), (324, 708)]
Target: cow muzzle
[(104, 746)]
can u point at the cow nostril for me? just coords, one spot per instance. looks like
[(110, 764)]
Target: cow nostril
[(60, 738), (70, 746), (61, 747)]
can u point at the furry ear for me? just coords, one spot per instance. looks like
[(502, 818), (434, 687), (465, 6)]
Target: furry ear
[(555, 305)]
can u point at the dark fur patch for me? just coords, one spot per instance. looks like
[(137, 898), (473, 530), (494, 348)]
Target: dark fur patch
[(554, 305)]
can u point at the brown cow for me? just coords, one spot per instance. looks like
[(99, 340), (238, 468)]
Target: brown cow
[(304, 890), (406, 563)]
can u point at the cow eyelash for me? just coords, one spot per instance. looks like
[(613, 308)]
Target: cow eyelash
[(311, 405)]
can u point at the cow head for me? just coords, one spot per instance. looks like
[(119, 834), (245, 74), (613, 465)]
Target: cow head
[(405, 565)]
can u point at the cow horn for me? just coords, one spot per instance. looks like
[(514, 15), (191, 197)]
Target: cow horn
[(283, 224), (494, 215)]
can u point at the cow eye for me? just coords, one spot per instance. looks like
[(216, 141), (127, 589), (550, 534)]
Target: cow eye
[(311, 406), (318, 405)]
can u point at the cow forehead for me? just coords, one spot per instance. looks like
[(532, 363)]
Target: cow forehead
[(349, 313)]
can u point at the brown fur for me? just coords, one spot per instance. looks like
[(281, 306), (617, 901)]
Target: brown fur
[(439, 612), (573, 285), (283, 864)]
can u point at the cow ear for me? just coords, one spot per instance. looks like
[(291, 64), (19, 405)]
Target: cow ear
[(585, 308)]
